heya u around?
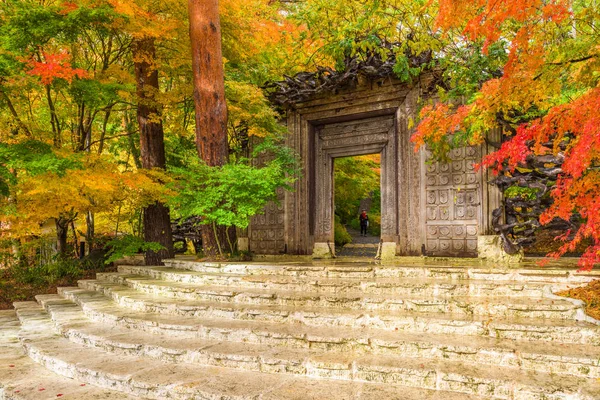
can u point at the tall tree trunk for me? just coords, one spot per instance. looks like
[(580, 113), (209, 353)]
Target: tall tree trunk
[(62, 230), (91, 229), (209, 99), (157, 222)]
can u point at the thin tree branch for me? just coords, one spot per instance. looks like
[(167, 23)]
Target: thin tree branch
[(14, 113)]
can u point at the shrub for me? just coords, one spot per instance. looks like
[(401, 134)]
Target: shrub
[(341, 235), (128, 245)]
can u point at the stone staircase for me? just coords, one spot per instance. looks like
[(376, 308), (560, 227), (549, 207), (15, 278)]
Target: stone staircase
[(335, 330)]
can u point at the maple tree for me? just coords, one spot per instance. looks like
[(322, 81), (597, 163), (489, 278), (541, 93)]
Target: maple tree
[(545, 95), (68, 80)]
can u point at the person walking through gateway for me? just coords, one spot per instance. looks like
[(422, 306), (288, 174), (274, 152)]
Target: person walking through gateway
[(364, 222)]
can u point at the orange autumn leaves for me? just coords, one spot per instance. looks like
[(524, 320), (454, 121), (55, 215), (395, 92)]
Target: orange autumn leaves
[(485, 18), (551, 79), (54, 66)]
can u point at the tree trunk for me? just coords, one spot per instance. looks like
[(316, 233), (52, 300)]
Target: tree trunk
[(62, 229), (157, 222), (91, 229), (209, 99)]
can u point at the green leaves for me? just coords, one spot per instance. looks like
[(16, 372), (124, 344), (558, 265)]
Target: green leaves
[(230, 195), (29, 26), (128, 245), (31, 157), (341, 29), (403, 70), (466, 67)]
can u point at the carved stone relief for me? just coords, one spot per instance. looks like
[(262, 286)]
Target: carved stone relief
[(267, 231), (453, 204), (435, 204)]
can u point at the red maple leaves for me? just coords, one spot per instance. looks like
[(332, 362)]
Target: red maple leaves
[(531, 78), (54, 66), (576, 124)]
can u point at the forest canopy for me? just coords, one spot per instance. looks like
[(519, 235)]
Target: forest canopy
[(72, 156)]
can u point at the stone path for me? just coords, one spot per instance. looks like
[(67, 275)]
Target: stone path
[(331, 330), (361, 246)]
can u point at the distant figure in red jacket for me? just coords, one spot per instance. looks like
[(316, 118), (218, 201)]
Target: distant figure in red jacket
[(364, 222)]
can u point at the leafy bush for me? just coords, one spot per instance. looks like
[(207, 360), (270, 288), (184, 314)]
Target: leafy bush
[(63, 268), (230, 195), (49, 273), (374, 224), (128, 245), (341, 235)]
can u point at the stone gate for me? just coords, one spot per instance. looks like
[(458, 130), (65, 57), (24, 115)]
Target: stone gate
[(427, 207)]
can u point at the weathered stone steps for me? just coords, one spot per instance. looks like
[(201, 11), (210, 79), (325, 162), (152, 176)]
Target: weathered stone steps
[(352, 270), (322, 330), (160, 380), (202, 297), (293, 327), (69, 320), (378, 286), (163, 380), (23, 379)]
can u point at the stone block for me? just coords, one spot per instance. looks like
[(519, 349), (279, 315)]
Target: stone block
[(489, 248), (243, 244), (323, 250), (388, 250)]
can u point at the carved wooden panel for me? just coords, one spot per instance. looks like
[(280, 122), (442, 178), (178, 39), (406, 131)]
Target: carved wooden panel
[(453, 204), (267, 230)]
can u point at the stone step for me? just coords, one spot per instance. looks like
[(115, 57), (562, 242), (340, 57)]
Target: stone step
[(381, 286), (343, 269), (294, 326), (23, 379), (190, 295), (154, 379), (69, 320)]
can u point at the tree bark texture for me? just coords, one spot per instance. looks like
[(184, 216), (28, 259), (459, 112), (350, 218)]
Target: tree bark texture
[(62, 230), (209, 84), (209, 101), (157, 222)]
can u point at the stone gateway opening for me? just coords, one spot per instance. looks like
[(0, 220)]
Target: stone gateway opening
[(357, 189), (427, 207)]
